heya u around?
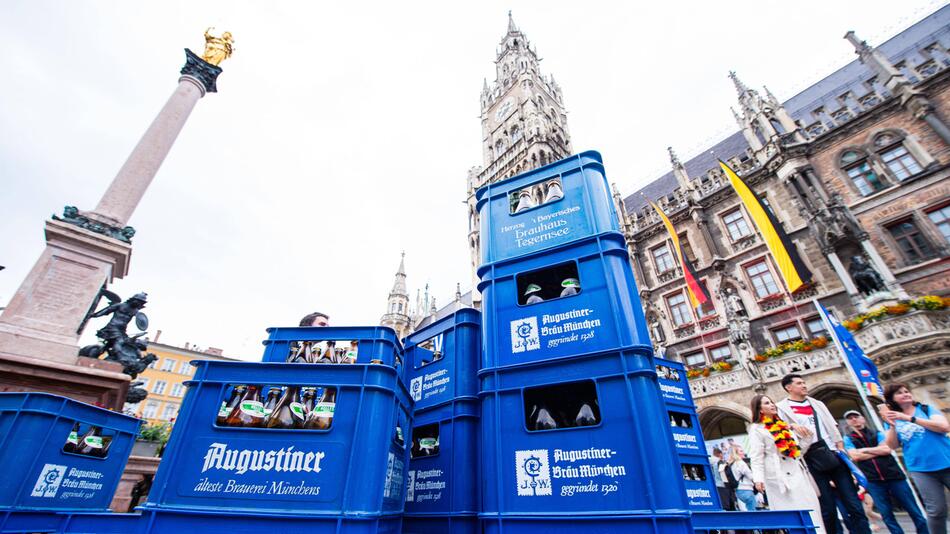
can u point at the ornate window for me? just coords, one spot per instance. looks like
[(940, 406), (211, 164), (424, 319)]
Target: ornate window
[(687, 250), (178, 390), (736, 224), (662, 258), (679, 309), (159, 388), (694, 359), (762, 280), (858, 168), (787, 333), (898, 160), (169, 365), (720, 353), (941, 219), (912, 243), (815, 326)]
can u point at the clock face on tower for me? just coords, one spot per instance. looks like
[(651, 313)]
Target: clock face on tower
[(504, 109)]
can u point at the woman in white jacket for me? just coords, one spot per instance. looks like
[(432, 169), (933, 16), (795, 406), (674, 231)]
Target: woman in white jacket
[(777, 466)]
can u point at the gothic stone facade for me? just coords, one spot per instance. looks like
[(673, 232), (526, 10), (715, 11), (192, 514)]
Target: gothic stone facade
[(855, 169)]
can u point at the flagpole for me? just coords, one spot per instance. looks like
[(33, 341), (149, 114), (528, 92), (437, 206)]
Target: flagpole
[(861, 391)]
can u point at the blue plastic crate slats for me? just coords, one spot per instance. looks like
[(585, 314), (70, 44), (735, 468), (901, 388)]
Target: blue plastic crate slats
[(39, 474), (354, 466), (555, 204), (443, 358), (604, 313)]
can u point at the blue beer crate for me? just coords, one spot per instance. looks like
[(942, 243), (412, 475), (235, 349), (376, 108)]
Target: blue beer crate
[(442, 359), (38, 474), (573, 523), (445, 481), (766, 521), (619, 459), (441, 524), (585, 208), (374, 342), (356, 468), (673, 383), (605, 314), (70, 522), (700, 483)]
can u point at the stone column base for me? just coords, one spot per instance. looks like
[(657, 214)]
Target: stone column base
[(136, 470), (87, 380)]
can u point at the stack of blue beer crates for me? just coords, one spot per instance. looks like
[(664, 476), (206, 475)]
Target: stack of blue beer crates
[(442, 362), (687, 436), (574, 435), (47, 473)]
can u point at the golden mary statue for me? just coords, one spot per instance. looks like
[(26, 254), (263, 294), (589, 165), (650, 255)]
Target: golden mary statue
[(217, 49)]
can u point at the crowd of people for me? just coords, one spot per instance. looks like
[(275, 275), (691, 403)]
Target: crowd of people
[(799, 460)]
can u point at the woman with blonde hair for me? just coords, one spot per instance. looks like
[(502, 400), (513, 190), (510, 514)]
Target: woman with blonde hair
[(777, 466)]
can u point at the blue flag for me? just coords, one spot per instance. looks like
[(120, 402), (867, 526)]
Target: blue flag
[(862, 366)]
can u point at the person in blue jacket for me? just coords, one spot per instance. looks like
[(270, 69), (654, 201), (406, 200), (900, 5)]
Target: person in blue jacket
[(922, 432)]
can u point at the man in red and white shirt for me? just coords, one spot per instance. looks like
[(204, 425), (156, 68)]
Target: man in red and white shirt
[(810, 419)]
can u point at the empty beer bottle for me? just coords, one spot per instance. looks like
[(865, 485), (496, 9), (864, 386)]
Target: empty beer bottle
[(91, 444), (399, 438), (273, 395), (585, 416), (350, 355), (541, 419), (250, 411), (309, 397), (288, 413), (524, 201), (554, 191), (322, 415), (329, 354), (72, 441), (228, 406), (299, 352), (673, 421), (571, 287), (428, 446), (532, 293)]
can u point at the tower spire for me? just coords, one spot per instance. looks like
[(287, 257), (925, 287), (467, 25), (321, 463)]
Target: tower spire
[(741, 88), (511, 23)]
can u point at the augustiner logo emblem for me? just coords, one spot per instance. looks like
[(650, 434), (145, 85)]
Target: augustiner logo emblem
[(240, 461), (253, 408)]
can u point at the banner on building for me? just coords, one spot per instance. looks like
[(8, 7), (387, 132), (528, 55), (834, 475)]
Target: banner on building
[(698, 295)]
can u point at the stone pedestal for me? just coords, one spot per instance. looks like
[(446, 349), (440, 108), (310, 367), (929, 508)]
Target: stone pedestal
[(136, 470), (41, 319)]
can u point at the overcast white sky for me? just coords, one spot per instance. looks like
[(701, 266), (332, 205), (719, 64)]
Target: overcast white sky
[(342, 132)]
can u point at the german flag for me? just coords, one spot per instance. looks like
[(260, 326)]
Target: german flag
[(697, 292), (789, 263)]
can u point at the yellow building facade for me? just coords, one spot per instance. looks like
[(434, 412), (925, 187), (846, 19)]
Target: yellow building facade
[(165, 380)]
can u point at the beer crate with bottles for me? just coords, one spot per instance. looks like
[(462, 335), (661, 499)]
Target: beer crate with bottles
[(556, 204), (60, 454), (442, 361)]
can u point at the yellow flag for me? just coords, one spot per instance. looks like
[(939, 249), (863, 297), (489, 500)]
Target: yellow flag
[(789, 263)]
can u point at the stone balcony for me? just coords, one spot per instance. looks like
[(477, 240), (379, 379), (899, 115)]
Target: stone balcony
[(914, 347)]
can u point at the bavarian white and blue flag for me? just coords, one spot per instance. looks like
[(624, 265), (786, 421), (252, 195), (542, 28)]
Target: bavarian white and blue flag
[(863, 367)]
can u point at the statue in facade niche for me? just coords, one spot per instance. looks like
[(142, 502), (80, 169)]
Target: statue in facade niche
[(116, 342), (734, 303), (865, 277)]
